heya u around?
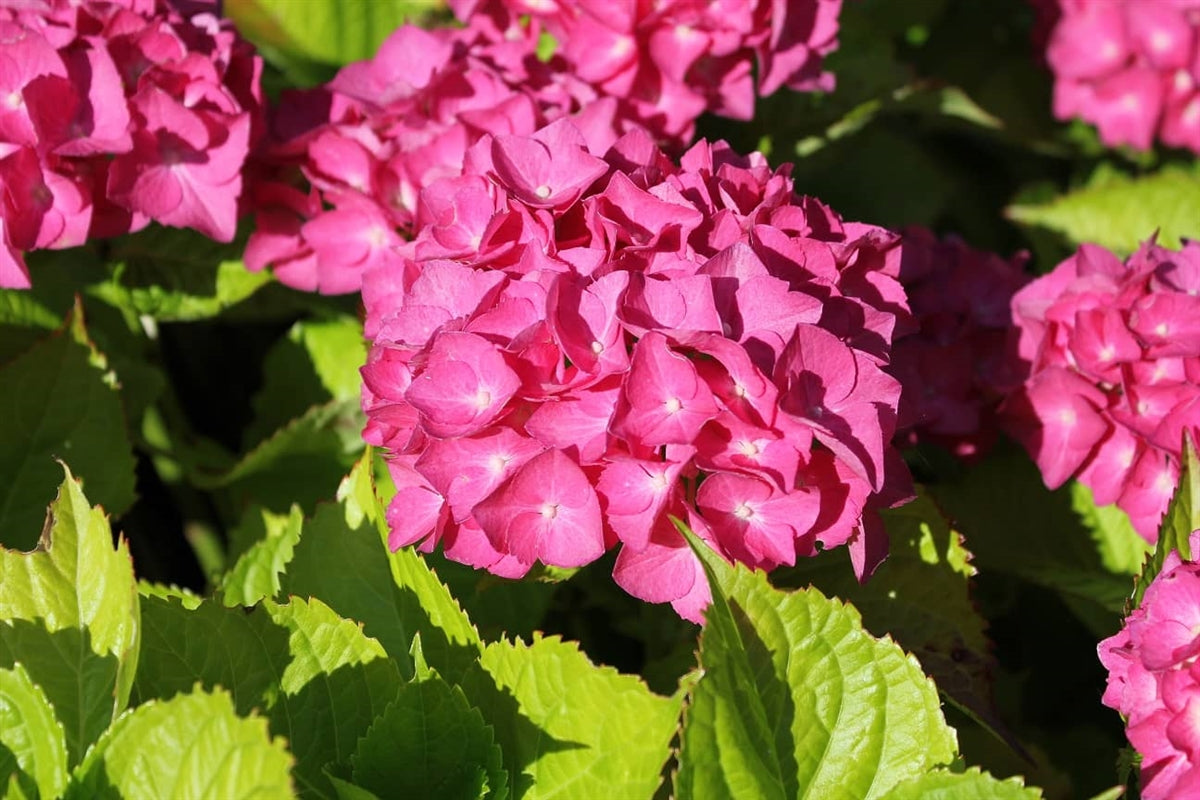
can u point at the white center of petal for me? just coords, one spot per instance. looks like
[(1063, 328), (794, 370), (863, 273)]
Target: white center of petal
[(377, 236), (1162, 329), (1107, 352), (672, 405), (597, 348), (658, 481), (1131, 103), (1183, 80), (497, 463), (743, 511), (1110, 50), (739, 390), (14, 100), (542, 191), (549, 510), (748, 448), (483, 399), (1068, 417), (1165, 483), (1191, 114), (1160, 41)]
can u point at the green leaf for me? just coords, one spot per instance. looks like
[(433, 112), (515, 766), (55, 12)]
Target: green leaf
[(317, 361), (207, 644), (1013, 524), (343, 559), (336, 683), (301, 463), (69, 613), (58, 401), (256, 573), (1182, 517), (1119, 212), (430, 743), (335, 33), (796, 697), (970, 785), (170, 274), (568, 728), (1122, 550), (192, 746), (32, 745), (921, 597)]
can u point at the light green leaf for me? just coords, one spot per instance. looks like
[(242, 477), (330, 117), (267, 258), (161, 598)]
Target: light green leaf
[(171, 274), (256, 573), (970, 785), (335, 33), (191, 747), (345, 790), (336, 683), (1181, 519), (921, 597), (69, 613), (1119, 212), (430, 743), (796, 699), (1122, 550), (343, 559), (568, 728), (317, 361), (58, 401), (33, 748)]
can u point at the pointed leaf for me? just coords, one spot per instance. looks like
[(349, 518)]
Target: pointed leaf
[(256, 573), (33, 748), (337, 682), (921, 597), (69, 613), (1122, 550), (1181, 519), (430, 743), (342, 558), (567, 727), (797, 698), (970, 785), (59, 402), (1119, 212), (191, 746)]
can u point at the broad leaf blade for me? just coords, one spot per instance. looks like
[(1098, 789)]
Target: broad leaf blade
[(32, 744), (1119, 212), (567, 727), (342, 558), (970, 785), (255, 575), (430, 743), (69, 613), (193, 746), (58, 402), (833, 711)]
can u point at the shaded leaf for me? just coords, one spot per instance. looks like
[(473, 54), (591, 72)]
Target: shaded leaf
[(430, 743), (59, 402), (255, 575)]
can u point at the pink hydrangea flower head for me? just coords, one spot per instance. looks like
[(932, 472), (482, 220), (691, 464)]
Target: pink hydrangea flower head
[(960, 360), (1111, 351), (118, 114), (1154, 680), (1129, 67), (560, 373)]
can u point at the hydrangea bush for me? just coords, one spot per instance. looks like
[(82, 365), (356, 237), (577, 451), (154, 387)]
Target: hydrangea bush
[(505, 398)]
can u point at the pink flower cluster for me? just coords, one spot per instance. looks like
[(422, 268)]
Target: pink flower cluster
[(673, 60), (354, 155), (1154, 679), (116, 114), (962, 361), (1131, 67), (585, 339), (1114, 349)]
